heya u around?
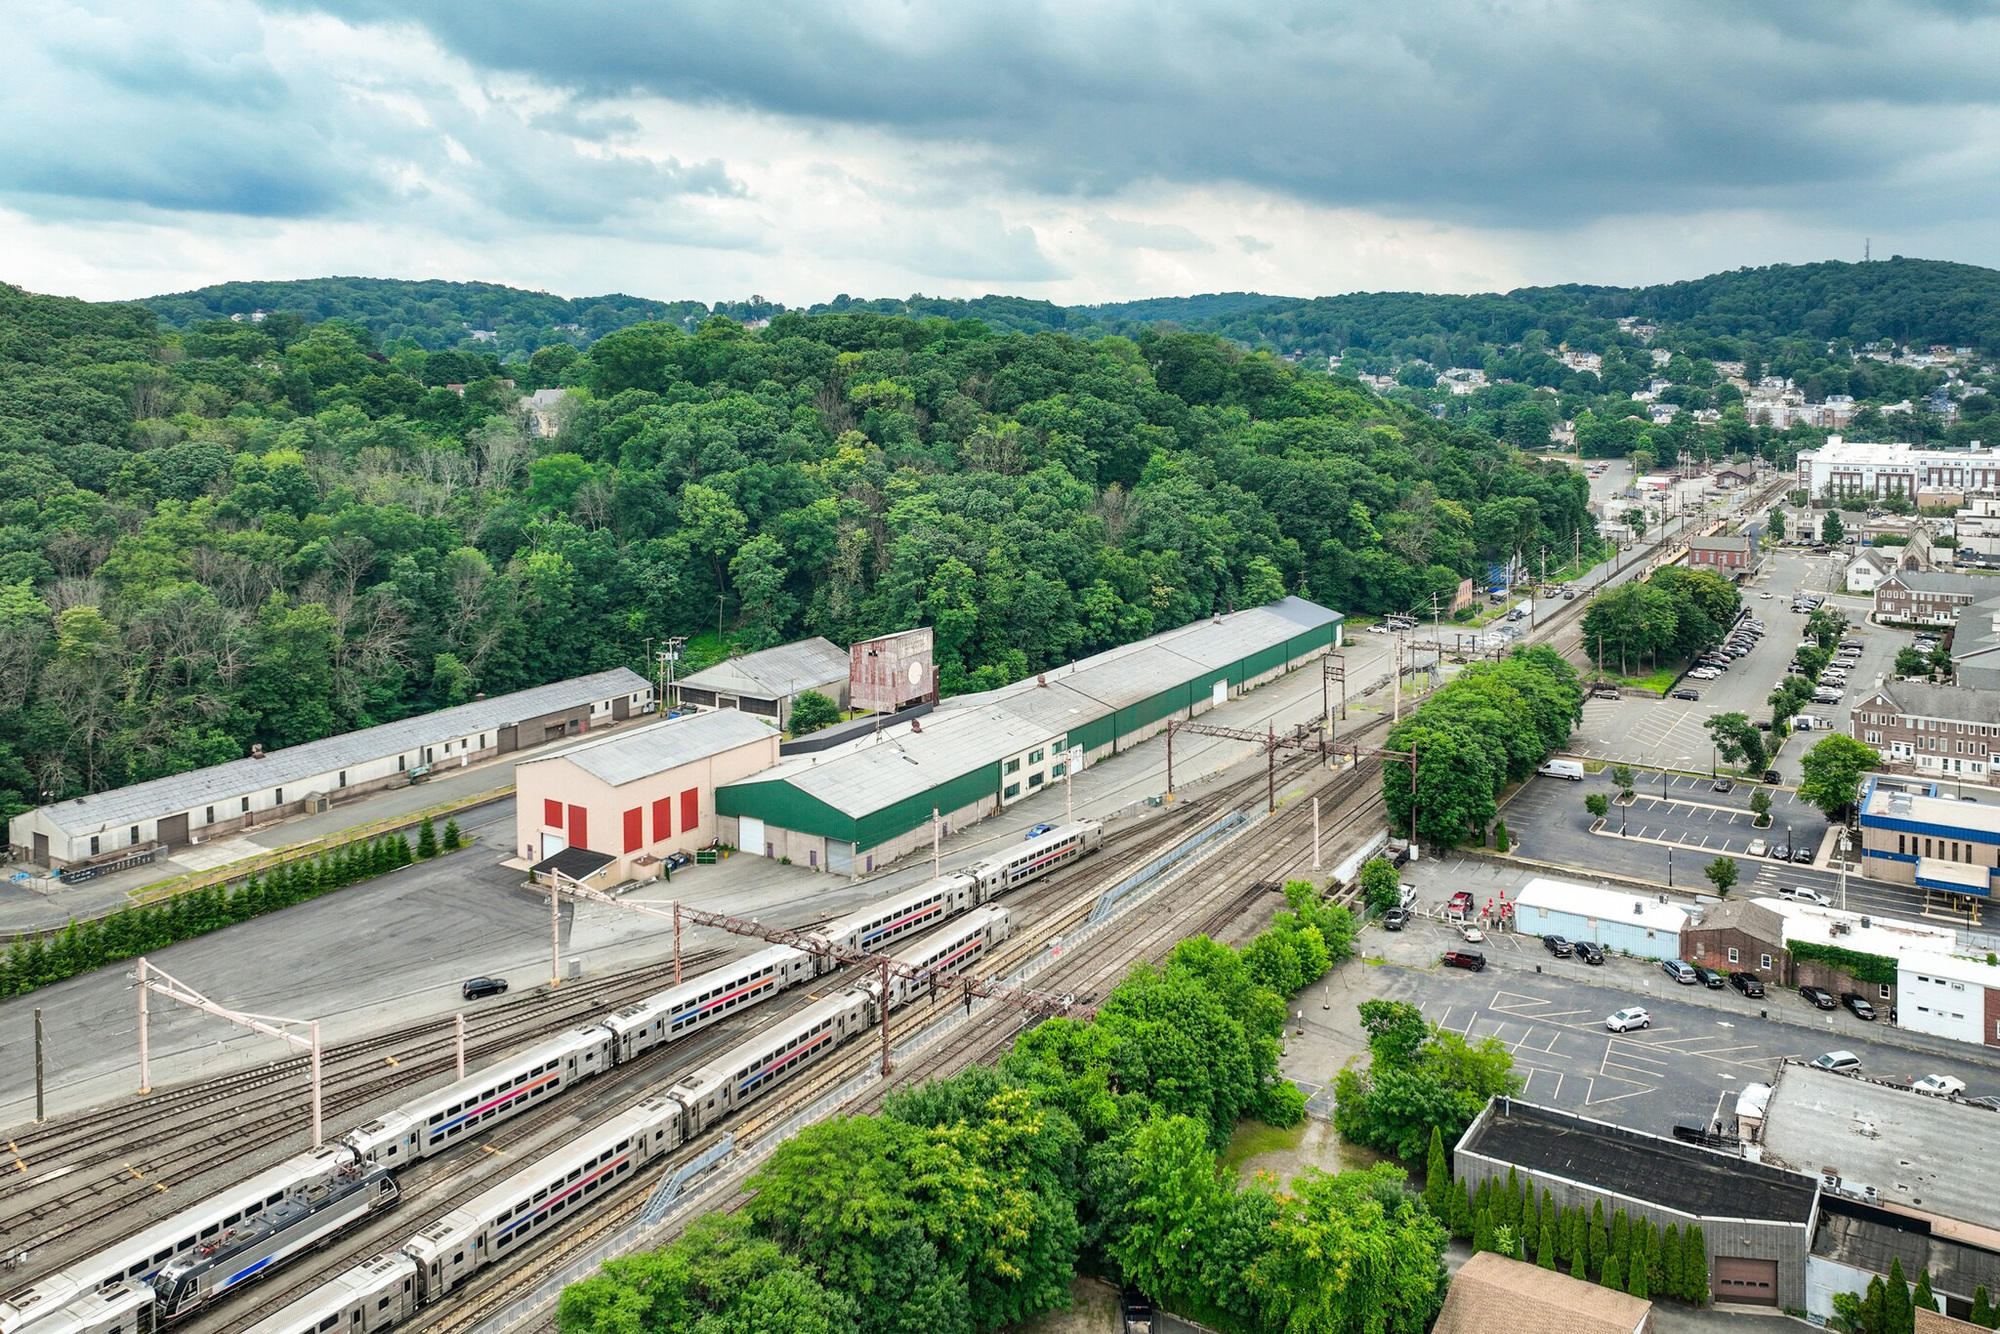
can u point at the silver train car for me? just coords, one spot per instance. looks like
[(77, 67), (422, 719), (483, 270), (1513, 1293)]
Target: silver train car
[(435, 1121), (138, 1258), (377, 1294), (1035, 857), (882, 924), (952, 951), (122, 1308), (753, 1069), (250, 1250), (643, 1025)]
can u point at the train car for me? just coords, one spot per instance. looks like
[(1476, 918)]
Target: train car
[(882, 923), (644, 1025), (257, 1246), (1036, 857), (505, 1218), (122, 1308), (505, 1089), (947, 953), (139, 1257), (745, 1073), (374, 1295)]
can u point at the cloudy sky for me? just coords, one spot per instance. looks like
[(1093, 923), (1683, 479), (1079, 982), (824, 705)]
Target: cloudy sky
[(1084, 150)]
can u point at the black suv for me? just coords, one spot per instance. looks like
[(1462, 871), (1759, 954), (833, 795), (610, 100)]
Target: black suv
[(1588, 952), (475, 987), (1558, 946), (1749, 984)]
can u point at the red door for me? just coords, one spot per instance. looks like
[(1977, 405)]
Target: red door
[(579, 827)]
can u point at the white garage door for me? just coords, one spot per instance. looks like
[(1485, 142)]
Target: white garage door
[(750, 835), (1219, 692), (552, 844)]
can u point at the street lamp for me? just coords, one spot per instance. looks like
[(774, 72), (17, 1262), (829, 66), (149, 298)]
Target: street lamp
[(1840, 850)]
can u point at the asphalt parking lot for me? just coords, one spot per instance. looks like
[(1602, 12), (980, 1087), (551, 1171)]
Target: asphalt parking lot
[(1702, 1046)]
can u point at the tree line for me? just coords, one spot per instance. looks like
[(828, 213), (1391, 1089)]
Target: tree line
[(970, 1203), (239, 533)]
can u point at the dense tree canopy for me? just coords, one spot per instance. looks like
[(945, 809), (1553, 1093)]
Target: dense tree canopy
[(240, 532)]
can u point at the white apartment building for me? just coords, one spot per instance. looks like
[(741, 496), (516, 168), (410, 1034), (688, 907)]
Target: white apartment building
[(1978, 527), (1855, 467)]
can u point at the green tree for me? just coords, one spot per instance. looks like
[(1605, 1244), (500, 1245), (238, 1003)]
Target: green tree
[(1598, 805), (1461, 1212), (1613, 1274), (1982, 1313), (1923, 1299), (1600, 1240), (1830, 773), (1760, 806), (1775, 522), (1898, 1316), (453, 839), (1737, 739), (1381, 887), (1670, 1262), (1722, 873), (1621, 1234), (811, 711), (1500, 842), (1694, 1266), (1831, 529), (427, 844), (1545, 1253), (1437, 1178), (1623, 779), (1352, 1251)]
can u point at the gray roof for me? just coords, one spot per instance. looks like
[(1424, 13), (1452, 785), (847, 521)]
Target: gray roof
[(968, 731), (630, 754), (1752, 919), (1957, 703), (297, 764), (1720, 543), (1916, 1158), (1944, 581), (775, 673)]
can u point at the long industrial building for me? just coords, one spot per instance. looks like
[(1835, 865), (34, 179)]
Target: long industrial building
[(266, 786), (859, 805)]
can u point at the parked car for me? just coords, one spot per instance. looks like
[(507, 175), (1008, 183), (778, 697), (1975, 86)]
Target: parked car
[(1858, 1005), (1939, 1086), (1782, 851), (1589, 951), (1773, 776), (1135, 1312), (1472, 935), (1709, 977), (1679, 970), (1627, 1019), (1395, 919), (1471, 960), (1460, 903), (477, 987), (1749, 984), (1842, 1061), (1803, 853), (1036, 831), (1804, 895), (1558, 946), (1686, 692), (1817, 997), (1722, 785), (1758, 847)]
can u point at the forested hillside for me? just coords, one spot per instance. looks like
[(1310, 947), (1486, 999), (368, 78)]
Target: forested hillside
[(240, 533)]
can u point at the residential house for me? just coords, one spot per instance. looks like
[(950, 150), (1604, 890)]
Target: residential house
[(1738, 936), (1870, 566), (543, 409), (1926, 597), (1495, 1294)]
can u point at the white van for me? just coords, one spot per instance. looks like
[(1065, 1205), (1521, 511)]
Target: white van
[(1570, 769), (1809, 722)]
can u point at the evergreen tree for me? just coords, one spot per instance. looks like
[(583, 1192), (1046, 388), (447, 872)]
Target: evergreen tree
[(1482, 1198), (1545, 1254), (1613, 1276), (1565, 1220), (1579, 1260), (1600, 1241), (1874, 1303), (1550, 1214), (453, 839), (1621, 1235), (1531, 1215), (1694, 1266), (1982, 1307), (1636, 1281), (1482, 1231), (1923, 1298), (400, 847), (1898, 1316), (1579, 1239), (1510, 1201), (1461, 1212), (1437, 1179), (427, 839)]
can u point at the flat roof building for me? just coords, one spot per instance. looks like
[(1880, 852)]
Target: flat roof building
[(1757, 1219), (1912, 833), (1646, 926), (859, 805), (637, 795), (207, 803), (766, 682), (1866, 468)]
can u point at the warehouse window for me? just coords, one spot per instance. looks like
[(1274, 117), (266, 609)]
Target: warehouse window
[(402, 763), (690, 810), (1732, 954), (1012, 790), (343, 778), (1013, 766), (211, 816), (552, 814), (93, 845), (1767, 962), (663, 819), (277, 796), (246, 805), (1059, 771), (635, 829), (482, 741), (1034, 781), (135, 834), (1034, 757)]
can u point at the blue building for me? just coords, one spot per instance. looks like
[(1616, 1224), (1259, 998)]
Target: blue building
[(1942, 837), (1646, 926)]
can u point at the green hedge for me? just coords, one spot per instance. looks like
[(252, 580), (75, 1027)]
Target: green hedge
[(1876, 968), (82, 946)]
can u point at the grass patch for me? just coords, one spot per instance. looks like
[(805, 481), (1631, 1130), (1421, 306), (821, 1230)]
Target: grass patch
[(1254, 1137), (1659, 682), (1359, 1157), (1596, 766)]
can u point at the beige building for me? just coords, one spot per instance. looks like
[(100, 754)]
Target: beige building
[(629, 800), (765, 683)]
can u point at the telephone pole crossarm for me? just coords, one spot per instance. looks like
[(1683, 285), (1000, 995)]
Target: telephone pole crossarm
[(151, 979)]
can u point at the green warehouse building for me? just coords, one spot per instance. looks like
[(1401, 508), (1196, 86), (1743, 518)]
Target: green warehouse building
[(861, 804)]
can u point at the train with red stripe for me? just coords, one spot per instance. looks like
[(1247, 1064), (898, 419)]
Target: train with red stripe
[(434, 1122), (387, 1289)]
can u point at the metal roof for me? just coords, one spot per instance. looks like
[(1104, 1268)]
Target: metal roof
[(775, 673), (297, 764), (1607, 905), (897, 762), (634, 753)]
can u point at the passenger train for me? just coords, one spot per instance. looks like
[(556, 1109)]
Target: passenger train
[(435, 1121)]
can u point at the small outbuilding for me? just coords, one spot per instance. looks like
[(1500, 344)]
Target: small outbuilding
[(1493, 1294), (765, 683), (1646, 926)]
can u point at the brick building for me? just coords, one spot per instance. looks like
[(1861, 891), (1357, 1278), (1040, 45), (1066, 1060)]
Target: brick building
[(1947, 730), (1738, 935), (1925, 597), (1734, 556)]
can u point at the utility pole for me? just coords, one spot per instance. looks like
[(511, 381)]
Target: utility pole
[(1315, 866), (1396, 681), (151, 978), (459, 1043), (935, 843), (41, 1104)]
